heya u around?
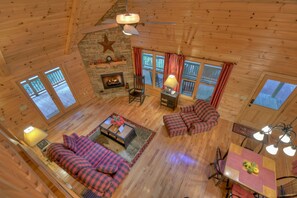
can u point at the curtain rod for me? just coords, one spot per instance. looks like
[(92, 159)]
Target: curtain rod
[(235, 63)]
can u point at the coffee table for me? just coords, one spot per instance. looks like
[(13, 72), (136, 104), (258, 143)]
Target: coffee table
[(123, 136)]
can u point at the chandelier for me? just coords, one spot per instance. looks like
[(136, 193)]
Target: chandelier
[(286, 136)]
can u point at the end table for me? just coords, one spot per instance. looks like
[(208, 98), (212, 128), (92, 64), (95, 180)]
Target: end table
[(168, 99)]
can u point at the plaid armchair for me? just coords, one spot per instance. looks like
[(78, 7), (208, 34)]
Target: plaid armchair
[(199, 117)]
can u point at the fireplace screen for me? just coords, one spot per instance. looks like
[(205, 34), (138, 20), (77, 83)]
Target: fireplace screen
[(112, 80)]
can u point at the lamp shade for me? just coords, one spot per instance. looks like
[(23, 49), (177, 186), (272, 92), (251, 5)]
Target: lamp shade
[(258, 136), (272, 149), (267, 130), (33, 135), (171, 81), (128, 18), (285, 138), (290, 150)]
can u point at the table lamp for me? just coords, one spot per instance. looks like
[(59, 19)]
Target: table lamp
[(170, 84), (33, 135)]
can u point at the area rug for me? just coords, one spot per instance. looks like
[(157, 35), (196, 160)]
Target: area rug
[(243, 130), (134, 149)]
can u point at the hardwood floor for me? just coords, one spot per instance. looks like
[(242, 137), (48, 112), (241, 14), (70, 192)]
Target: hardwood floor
[(169, 167)]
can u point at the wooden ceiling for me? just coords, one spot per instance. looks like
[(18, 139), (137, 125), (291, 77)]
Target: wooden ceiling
[(33, 28), (258, 35)]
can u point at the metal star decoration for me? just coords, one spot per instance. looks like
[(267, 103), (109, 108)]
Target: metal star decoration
[(107, 44)]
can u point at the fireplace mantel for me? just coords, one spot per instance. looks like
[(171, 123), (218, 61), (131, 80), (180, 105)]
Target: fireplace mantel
[(111, 64)]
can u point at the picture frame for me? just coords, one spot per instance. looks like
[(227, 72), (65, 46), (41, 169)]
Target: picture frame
[(43, 144)]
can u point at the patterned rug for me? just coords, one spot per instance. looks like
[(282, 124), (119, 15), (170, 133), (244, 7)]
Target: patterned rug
[(243, 130), (134, 149)]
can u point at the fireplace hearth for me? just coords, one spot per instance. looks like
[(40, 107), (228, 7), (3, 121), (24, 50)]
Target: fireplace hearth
[(112, 80)]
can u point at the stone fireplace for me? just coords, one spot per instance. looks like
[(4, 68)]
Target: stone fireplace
[(112, 80), (95, 57)]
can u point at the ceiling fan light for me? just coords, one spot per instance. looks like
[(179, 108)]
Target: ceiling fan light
[(290, 150), (128, 18), (272, 149), (285, 138), (130, 30)]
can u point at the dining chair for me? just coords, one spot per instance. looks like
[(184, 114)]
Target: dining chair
[(287, 186), (252, 144), (237, 191), (218, 166)]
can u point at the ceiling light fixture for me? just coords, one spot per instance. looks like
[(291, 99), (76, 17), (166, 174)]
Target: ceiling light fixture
[(127, 18), (287, 137)]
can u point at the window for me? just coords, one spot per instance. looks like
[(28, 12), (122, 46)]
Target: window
[(274, 94), (153, 68), (208, 82), (199, 80)]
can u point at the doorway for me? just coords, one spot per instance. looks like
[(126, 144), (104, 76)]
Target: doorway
[(50, 93), (272, 95)]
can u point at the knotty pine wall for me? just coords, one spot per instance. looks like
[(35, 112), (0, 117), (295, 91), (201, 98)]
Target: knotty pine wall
[(34, 36), (258, 35)]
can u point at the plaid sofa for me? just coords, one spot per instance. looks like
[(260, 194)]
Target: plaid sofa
[(83, 163), (196, 118)]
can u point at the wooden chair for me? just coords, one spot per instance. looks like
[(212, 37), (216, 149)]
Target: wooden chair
[(138, 91), (253, 144), (287, 186), (237, 191), (218, 166)]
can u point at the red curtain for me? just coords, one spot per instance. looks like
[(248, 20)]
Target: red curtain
[(174, 64), (137, 60), (221, 84)]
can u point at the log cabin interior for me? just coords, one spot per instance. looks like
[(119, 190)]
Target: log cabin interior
[(66, 66)]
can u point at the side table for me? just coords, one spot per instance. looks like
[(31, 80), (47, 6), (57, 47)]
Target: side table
[(169, 100)]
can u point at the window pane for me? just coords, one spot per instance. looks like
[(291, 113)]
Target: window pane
[(57, 80), (147, 61), (274, 94), (160, 63), (204, 92), (159, 80), (39, 95), (208, 82), (159, 71), (189, 77), (148, 76), (211, 74)]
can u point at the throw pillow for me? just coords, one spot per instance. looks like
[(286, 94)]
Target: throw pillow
[(69, 142), (108, 169), (75, 136)]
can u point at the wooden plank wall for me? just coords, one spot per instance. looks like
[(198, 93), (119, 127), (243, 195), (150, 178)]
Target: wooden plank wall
[(17, 178), (17, 112), (33, 38), (258, 36)]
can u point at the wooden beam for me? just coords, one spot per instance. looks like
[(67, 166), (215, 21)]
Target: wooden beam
[(4, 70), (73, 25)]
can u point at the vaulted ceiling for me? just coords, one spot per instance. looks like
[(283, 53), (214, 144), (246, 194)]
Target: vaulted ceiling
[(257, 35)]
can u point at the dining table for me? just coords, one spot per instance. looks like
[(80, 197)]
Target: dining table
[(263, 183)]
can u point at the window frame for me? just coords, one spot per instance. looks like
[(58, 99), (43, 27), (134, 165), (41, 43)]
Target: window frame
[(202, 63), (154, 70)]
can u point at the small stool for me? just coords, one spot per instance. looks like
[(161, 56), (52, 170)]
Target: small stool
[(174, 124)]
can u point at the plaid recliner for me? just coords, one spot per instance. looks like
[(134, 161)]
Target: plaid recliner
[(199, 117), (82, 165), (196, 118)]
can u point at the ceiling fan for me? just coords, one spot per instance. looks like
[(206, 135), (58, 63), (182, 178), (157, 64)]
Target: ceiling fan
[(127, 21)]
